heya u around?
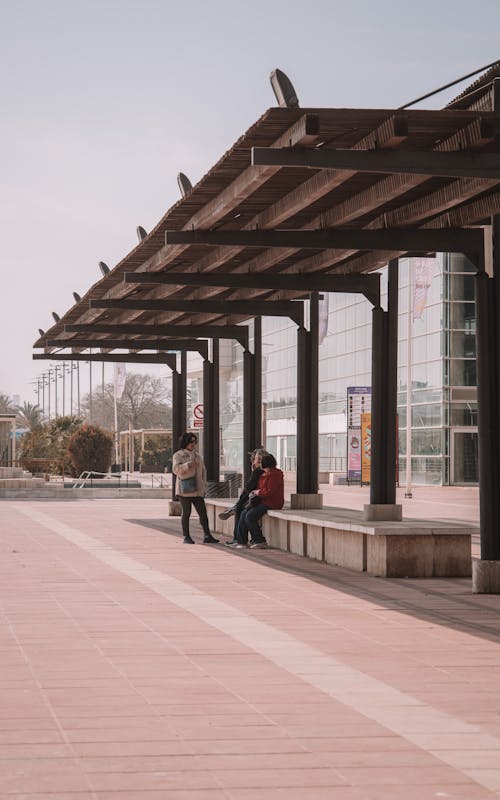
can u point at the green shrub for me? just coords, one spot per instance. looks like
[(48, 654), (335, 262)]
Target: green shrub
[(90, 448), (60, 431), (157, 450), (35, 445)]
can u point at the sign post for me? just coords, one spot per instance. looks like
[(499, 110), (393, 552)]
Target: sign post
[(198, 416), (359, 401)]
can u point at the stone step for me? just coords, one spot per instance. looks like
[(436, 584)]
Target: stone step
[(12, 472), (22, 483), (58, 493)]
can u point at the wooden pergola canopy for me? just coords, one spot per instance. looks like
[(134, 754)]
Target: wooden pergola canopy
[(334, 194)]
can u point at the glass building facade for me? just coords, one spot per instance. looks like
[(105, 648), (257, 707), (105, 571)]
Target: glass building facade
[(441, 372)]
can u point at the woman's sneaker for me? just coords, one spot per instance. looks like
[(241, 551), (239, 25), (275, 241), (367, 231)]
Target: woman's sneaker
[(209, 539), (258, 545), (188, 540)]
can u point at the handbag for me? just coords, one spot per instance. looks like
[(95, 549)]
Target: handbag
[(188, 484)]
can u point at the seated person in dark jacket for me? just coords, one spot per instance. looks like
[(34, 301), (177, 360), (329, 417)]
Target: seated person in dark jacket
[(250, 486), (270, 493)]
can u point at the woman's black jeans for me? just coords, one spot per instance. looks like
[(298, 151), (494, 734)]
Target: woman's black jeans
[(199, 504)]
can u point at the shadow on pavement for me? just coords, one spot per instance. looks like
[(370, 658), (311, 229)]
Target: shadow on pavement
[(442, 601)]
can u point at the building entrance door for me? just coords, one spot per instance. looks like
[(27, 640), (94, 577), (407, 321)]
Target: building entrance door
[(464, 456)]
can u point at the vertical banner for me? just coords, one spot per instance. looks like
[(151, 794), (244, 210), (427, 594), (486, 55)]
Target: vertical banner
[(359, 401), (423, 269), (366, 447), (323, 317), (120, 379)]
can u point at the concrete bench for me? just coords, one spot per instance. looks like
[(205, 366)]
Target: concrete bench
[(411, 548)]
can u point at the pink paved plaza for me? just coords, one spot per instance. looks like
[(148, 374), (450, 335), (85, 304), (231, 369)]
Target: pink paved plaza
[(136, 668)]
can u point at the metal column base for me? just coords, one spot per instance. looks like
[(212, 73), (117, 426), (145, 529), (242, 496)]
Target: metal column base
[(306, 501), (485, 576), (383, 512)]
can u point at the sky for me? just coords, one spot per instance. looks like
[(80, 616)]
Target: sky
[(104, 102)]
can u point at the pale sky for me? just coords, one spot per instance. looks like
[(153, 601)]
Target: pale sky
[(105, 101)]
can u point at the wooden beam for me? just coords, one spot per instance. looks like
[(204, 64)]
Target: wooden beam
[(196, 345), (168, 359), (423, 240), (305, 131), (369, 285), (247, 308), (237, 332), (448, 165), (474, 135)]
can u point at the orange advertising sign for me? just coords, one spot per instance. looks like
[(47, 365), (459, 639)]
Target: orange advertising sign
[(366, 447)]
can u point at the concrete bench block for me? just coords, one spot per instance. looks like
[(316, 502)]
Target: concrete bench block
[(315, 542), (420, 556), (400, 556), (345, 549), (297, 538), (452, 556), (275, 529)]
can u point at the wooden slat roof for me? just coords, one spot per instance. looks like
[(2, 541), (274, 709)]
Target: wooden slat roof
[(235, 195)]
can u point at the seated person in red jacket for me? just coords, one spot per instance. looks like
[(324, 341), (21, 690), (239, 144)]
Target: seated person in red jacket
[(269, 494)]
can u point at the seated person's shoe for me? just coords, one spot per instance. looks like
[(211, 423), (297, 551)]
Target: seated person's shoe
[(227, 514), (209, 539), (188, 540)]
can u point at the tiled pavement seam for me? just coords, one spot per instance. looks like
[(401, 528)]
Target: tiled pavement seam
[(394, 710)]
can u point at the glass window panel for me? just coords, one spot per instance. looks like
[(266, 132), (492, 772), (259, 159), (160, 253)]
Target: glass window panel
[(462, 316), (463, 414), (462, 287), (457, 262), (424, 470), (425, 375), (462, 372), (426, 348), (462, 344), (425, 416), (426, 442)]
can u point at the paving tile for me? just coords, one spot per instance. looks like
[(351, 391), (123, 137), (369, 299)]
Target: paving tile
[(142, 670)]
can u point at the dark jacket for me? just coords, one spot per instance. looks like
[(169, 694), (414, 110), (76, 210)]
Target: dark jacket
[(250, 485)]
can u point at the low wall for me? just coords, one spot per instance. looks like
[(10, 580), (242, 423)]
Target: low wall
[(411, 548)]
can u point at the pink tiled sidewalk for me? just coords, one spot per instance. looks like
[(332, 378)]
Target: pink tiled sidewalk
[(135, 667)]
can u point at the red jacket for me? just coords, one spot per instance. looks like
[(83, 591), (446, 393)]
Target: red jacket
[(272, 489)]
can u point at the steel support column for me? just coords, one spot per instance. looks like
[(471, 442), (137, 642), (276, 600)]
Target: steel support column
[(307, 404), (252, 397), (211, 417), (178, 407), (488, 377), (384, 396)]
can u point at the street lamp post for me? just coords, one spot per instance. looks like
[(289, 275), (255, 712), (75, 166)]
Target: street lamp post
[(56, 375), (49, 374)]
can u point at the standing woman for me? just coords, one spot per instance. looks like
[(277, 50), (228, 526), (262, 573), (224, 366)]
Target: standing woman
[(191, 485)]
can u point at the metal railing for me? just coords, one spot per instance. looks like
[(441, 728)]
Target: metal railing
[(326, 464), (88, 475)]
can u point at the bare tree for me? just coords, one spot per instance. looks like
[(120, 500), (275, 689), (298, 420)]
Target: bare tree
[(145, 403)]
